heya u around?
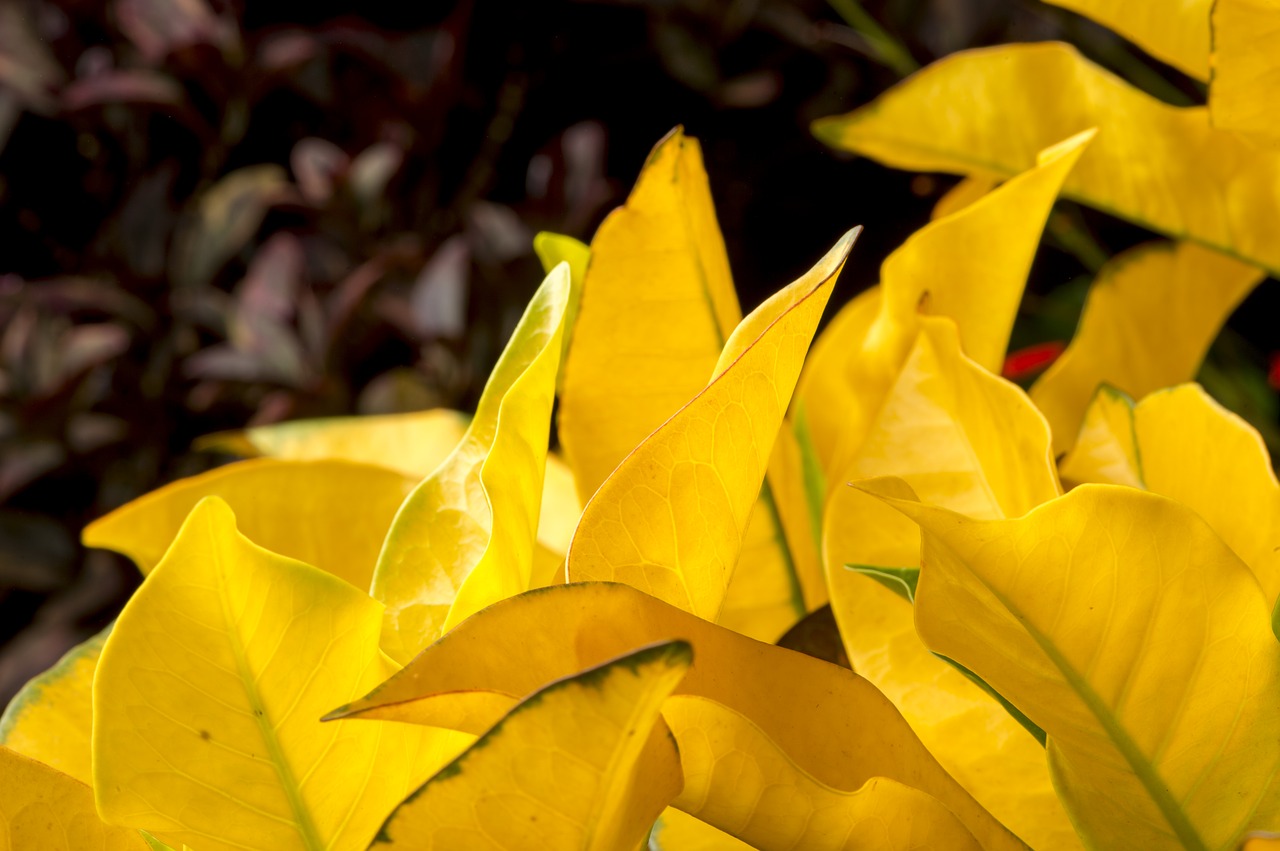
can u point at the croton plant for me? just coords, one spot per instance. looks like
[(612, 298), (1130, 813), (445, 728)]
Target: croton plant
[(1055, 607)]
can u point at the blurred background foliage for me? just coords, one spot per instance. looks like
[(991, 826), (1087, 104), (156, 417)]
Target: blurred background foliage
[(216, 213)]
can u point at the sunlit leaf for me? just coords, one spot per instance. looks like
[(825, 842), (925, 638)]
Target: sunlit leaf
[(1122, 625), (970, 266), (671, 519), (1243, 95), (584, 764), (553, 249), (51, 718), (1149, 319), (42, 808), (678, 831), (413, 443), (208, 696), (968, 440), (1181, 444), (1196, 182), (330, 514), (465, 537), (961, 195), (1176, 33), (831, 723), (739, 780)]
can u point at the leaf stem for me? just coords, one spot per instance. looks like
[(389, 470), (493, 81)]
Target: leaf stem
[(888, 49)]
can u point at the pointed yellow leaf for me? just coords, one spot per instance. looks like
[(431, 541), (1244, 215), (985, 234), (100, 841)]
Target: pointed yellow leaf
[(830, 722), (970, 266), (50, 719), (1182, 444), (1243, 94), (1123, 626), (554, 249), (584, 764), (737, 779), (961, 195), (413, 443), (671, 518), (208, 696), (1147, 323), (331, 514), (658, 304), (465, 537), (1196, 182), (42, 809), (967, 440), (679, 831), (1176, 33)]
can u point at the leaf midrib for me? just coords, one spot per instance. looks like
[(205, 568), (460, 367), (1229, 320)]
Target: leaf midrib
[(289, 785)]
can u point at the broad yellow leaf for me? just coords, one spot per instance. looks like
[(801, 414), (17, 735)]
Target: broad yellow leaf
[(961, 195), (671, 519), (1243, 95), (42, 809), (331, 514), (831, 723), (737, 779), (584, 764), (970, 266), (1195, 182), (658, 304), (1261, 841), (413, 443), (963, 439), (209, 692), (465, 537), (1175, 32), (1123, 626), (658, 307), (1147, 323), (51, 718), (1181, 444)]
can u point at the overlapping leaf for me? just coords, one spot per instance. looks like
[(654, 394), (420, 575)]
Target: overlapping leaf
[(1149, 319), (465, 537), (1154, 685), (831, 723), (1243, 95), (971, 266), (301, 509), (671, 519), (1176, 33), (584, 764), (1181, 444), (737, 779), (208, 696), (42, 808), (1163, 167)]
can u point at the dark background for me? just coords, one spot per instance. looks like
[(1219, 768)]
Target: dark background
[(152, 290)]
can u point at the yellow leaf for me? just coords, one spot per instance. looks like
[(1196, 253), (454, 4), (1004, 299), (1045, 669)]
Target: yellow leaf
[(658, 303), (1123, 626), (963, 439), (1178, 443), (1243, 92), (1261, 841), (679, 831), (554, 249), (208, 695), (970, 266), (671, 518), (1196, 182), (465, 537), (584, 764), (50, 719), (961, 195), (1148, 321), (831, 723), (331, 514), (1176, 32), (42, 809), (413, 443), (737, 779)]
